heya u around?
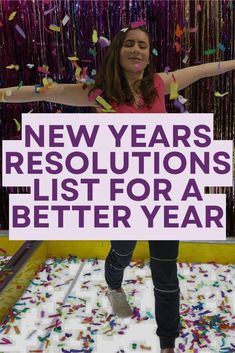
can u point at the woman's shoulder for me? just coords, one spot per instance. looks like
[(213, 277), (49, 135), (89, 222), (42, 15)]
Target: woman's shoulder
[(159, 83), (158, 80)]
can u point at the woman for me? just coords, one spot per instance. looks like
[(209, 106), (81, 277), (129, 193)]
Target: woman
[(127, 82)]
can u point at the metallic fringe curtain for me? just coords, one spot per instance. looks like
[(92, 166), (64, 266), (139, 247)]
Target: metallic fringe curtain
[(213, 21)]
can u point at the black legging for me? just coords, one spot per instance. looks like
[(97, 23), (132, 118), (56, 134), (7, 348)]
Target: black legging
[(163, 264)]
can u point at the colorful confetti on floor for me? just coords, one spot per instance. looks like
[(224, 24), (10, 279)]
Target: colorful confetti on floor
[(65, 310), (3, 261)]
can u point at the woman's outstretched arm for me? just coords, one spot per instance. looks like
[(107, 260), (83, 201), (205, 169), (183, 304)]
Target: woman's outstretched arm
[(187, 76), (69, 94)]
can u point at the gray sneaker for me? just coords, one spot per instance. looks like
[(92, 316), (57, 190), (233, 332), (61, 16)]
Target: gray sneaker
[(118, 301)]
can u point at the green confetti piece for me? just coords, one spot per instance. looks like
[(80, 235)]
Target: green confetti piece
[(210, 51), (92, 52), (155, 52), (20, 85), (149, 315), (215, 284), (57, 329), (181, 277), (42, 339)]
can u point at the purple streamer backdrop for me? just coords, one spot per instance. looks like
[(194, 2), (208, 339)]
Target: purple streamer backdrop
[(41, 46)]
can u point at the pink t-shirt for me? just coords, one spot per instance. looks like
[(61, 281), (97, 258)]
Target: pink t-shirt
[(158, 105)]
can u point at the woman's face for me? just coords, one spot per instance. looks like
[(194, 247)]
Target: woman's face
[(134, 53)]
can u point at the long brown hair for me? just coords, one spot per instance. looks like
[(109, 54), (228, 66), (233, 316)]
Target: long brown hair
[(111, 78)]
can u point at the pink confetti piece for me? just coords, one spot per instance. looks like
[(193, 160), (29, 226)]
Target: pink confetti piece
[(20, 31), (43, 70), (5, 341), (137, 24), (198, 7), (95, 94)]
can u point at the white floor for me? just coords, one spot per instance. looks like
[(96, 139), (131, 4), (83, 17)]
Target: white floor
[(65, 310)]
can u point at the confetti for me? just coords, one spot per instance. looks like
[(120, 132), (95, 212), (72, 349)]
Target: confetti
[(12, 15), (12, 66), (173, 90), (103, 102), (65, 20), (73, 58), (30, 66), (167, 69), (221, 47), (177, 47), (37, 89), (20, 85), (218, 94), (108, 110), (18, 125), (198, 7), (20, 31), (210, 51), (146, 348), (149, 315), (47, 82), (54, 28), (92, 51), (104, 42), (179, 32), (203, 327), (94, 36), (5, 341), (78, 71), (43, 70), (181, 99), (137, 24), (155, 52), (17, 330), (124, 29), (49, 11), (94, 94), (185, 59)]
